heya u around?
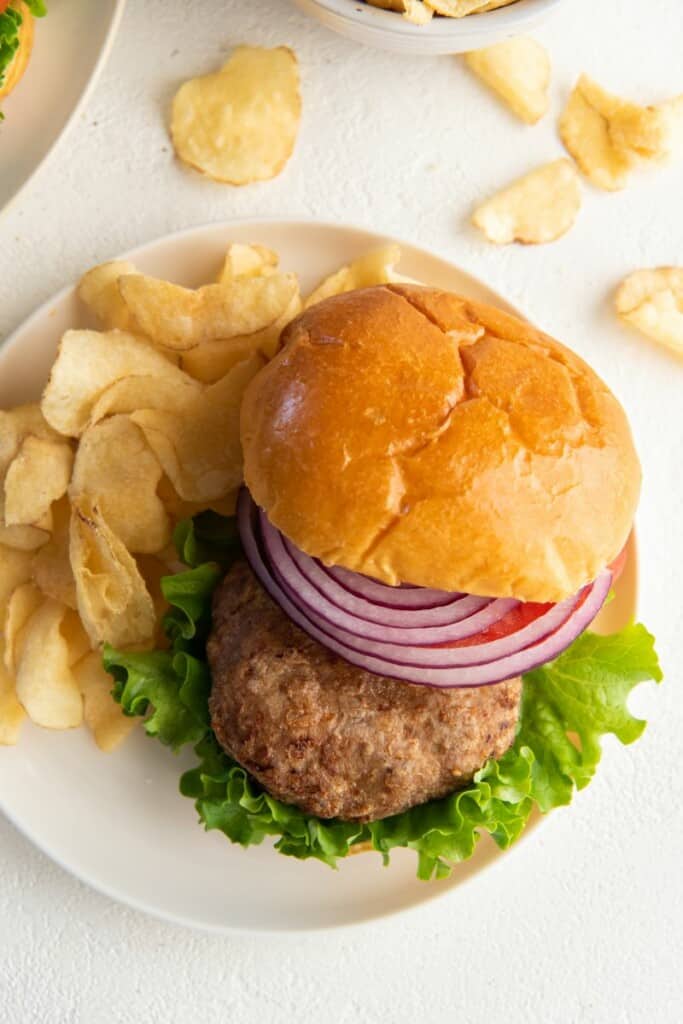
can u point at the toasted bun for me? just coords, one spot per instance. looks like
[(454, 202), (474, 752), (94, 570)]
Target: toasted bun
[(416, 436), (23, 54)]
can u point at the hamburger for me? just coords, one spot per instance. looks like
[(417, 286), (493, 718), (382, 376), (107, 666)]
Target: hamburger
[(396, 649), (16, 40)]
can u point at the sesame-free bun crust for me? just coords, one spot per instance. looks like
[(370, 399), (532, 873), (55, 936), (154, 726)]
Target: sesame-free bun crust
[(419, 437), (22, 56)]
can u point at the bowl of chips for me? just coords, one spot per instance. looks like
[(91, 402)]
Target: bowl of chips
[(429, 27)]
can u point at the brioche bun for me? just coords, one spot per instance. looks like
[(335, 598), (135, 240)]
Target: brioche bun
[(417, 436), (21, 58)]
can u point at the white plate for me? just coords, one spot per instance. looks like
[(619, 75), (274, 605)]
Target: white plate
[(71, 46), (117, 821), (388, 30)]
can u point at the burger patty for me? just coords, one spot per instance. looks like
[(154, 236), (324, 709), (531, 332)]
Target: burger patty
[(328, 737)]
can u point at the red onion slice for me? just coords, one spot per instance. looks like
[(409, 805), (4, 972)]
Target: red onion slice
[(405, 596), (325, 613), (458, 607), (443, 673)]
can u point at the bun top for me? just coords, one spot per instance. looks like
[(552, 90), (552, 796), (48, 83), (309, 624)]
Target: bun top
[(418, 437)]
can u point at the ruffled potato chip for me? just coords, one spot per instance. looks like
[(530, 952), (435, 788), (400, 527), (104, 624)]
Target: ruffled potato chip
[(102, 715), (98, 289), (652, 302), (113, 601), (608, 135), (89, 362), (537, 208), (179, 509), (240, 124), (132, 393), (415, 11), (51, 566), (16, 568), (247, 261), (17, 424), (517, 70), (77, 640), (182, 318), (37, 477), (460, 8), (378, 266), (211, 361), (22, 603), (22, 538), (114, 467), (199, 446), (45, 684), (12, 713)]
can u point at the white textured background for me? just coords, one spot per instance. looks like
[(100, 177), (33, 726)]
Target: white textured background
[(586, 923)]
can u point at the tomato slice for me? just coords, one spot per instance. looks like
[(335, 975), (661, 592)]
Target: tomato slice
[(617, 566), (526, 613), (4, 4)]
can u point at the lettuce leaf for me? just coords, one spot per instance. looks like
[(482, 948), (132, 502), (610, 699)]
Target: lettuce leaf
[(567, 706)]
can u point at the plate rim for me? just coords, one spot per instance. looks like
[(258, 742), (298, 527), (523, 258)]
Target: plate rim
[(282, 220), (116, 17), (433, 890)]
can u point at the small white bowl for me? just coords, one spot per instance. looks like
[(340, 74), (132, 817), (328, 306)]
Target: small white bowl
[(388, 30)]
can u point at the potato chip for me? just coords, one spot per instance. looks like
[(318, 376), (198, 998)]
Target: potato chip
[(37, 477), (518, 70), (651, 133), (179, 509), (132, 393), (77, 640), (22, 538), (51, 565), (45, 684), (537, 208), (200, 449), (247, 261), (416, 11), (11, 712), (584, 129), (607, 135), (211, 361), (101, 713), (113, 601), (89, 362), (182, 318), (372, 268), (652, 302), (15, 425), (23, 602), (240, 124), (116, 469), (459, 8), (494, 5), (16, 567), (99, 291)]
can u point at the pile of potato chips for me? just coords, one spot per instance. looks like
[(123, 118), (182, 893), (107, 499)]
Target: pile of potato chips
[(137, 428)]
